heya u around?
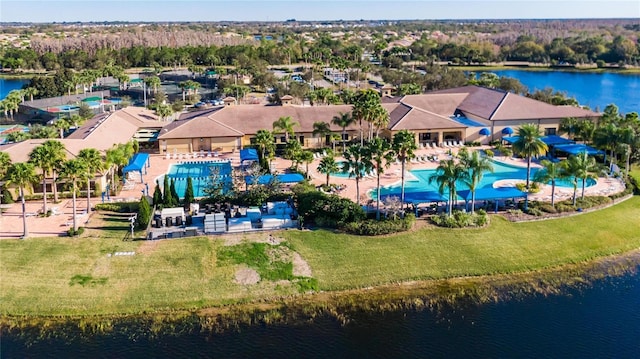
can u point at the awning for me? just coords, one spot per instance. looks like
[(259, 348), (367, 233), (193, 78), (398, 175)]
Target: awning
[(138, 163), (510, 140), (575, 149), (507, 131), (419, 197), (485, 132), (489, 193), (248, 154), (283, 178), (554, 140)]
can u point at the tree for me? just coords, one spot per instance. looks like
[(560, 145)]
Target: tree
[(292, 152), (144, 213), (343, 120), (5, 162), (40, 158), (62, 124), (74, 171), (529, 144), (188, 192), (266, 147), (167, 198), (551, 172), (94, 163), (582, 167), (306, 157), (476, 166), (327, 166), (22, 175), (285, 125), (163, 111), (364, 108), (356, 164), (153, 82), (379, 152), (607, 137), (174, 194), (57, 155), (448, 173), (321, 129), (157, 195), (404, 145), (31, 91)]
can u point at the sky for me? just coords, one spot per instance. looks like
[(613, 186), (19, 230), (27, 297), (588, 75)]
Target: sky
[(267, 10)]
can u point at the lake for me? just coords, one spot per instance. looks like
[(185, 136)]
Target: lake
[(596, 90), (7, 85), (600, 320)]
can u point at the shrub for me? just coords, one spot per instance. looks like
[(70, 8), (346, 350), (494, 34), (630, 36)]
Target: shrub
[(78, 232), (144, 213), (372, 227), (7, 197), (461, 219), (489, 153), (124, 207), (534, 211), (327, 210)]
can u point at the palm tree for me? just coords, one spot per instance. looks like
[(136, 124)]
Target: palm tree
[(321, 129), (22, 175), (163, 111), (94, 163), (30, 91), (404, 145), (62, 124), (285, 125), (73, 171), (343, 120), (57, 155), (266, 146), (327, 166), (5, 162), (356, 164), (446, 176), (476, 166), (607, 137), (153, 82), (292, 151), (582, 167), (364, 107), (551, 172), (379, 152), (529, 144), (379, 118), (306, 157), (40, 157)]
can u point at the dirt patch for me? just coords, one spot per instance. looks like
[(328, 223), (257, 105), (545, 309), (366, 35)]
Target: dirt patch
[(247, 276), (235, 239), (300, 267)]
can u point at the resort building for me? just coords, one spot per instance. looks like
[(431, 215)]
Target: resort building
[(463, 114)]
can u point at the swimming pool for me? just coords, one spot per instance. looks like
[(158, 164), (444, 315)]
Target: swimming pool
[(200, 172), (501, 171), (341, 173)]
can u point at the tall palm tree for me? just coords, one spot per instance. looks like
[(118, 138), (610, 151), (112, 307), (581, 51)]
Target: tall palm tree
[(476, 166), (74, 171), (551, 172), (163, 111), (607, 137), (404, 145), (379, 152), (31, 91), (379, 118), (292, 151), (285, 125), (529, 144), (40, 157), (62, 124), (153, 82), (582, 167), (22, 175), (306, 157), (94, 163), (363, 108), (327, 166), (448, 173), (57, 155), (356, 164), (266, 146), (321, 129), (343, 120)]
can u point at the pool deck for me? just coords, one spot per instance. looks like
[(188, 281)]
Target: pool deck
[(58, 224)]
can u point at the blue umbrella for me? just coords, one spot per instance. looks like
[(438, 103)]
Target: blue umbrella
[(507, 131), (485, 132)]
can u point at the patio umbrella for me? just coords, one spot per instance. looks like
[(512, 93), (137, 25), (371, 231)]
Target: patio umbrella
[(507, 131), (485, 132)]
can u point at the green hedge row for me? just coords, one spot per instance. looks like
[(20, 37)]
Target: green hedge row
[(461, 219), (372, 227), (123, 207)]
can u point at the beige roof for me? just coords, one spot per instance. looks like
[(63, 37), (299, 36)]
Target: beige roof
[(442, 104), (524, 108), (418, 119), (19, 152)]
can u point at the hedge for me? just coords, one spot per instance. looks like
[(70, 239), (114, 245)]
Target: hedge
[(372, 227), (123, 207)]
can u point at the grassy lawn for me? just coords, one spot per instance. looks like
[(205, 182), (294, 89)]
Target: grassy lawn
[(341, 261), (81, 276)]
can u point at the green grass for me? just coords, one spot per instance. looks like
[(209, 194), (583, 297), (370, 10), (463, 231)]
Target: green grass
[(76, 276), (635, 172), (342, 261)]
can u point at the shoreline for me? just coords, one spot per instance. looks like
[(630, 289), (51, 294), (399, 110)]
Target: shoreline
[(433, 294)]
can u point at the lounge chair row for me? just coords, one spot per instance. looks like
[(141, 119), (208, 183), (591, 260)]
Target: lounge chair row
[(186, 156)]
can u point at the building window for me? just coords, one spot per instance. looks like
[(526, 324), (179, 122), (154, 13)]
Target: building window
[(345, 137), (550, 131), (425, 136), (302, 140), (283, 139), (252, 140)]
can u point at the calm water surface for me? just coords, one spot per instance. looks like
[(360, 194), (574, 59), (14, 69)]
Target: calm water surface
[(601, 321), (6, 85), (596, 90)]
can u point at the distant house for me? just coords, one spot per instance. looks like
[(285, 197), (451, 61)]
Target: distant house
[(458, 114)]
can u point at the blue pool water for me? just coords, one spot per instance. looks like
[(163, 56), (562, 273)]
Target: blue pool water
[(341, 174), (200, 173), (501, 171), (467, 121)]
